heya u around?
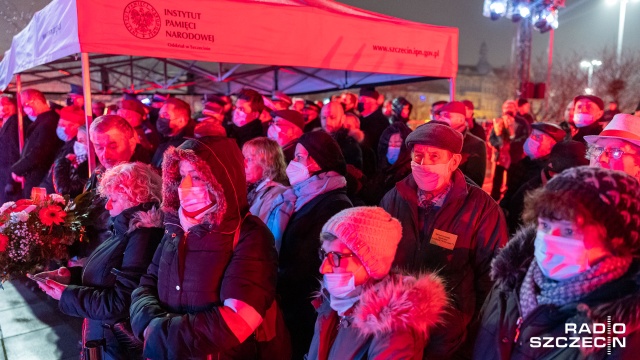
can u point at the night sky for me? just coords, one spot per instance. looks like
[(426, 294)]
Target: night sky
[(586, 26)]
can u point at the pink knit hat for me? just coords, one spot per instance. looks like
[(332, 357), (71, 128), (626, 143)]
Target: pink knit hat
[(370, 233)]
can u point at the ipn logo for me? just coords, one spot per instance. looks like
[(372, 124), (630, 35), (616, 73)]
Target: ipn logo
[(598, 335)]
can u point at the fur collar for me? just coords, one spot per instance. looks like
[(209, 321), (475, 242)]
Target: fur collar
[(400, 302), (621, 297), (146, 219)]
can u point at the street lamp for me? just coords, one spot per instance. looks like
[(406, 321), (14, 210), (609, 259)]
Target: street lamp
[(623, 11), (589, 65)]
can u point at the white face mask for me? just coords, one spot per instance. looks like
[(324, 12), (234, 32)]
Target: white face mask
[(560, 258), (194, 198), (582, 120), (430, 177), (239, 118), (80, 150), (273, 133), (340, 285), (297, 173)]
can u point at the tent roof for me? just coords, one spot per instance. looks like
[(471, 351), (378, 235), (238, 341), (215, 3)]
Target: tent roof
[(306, 46)]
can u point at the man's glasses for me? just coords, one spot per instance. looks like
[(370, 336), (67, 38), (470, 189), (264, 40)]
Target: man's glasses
[(334, 257), (595, 152)]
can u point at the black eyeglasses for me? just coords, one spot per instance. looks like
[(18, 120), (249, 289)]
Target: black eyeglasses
[(334, 257)]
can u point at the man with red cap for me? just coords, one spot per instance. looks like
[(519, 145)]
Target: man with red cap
[(133, 111), (286, 128), (449, 225), (587, 115), (474, 149)]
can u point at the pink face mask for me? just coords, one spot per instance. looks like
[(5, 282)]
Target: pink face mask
[(193, 199)]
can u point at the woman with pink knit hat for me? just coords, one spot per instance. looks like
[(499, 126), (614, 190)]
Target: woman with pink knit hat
[(364, 312)]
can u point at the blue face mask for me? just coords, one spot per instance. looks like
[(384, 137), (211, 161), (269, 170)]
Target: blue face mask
[(61, 134), (392, 154)]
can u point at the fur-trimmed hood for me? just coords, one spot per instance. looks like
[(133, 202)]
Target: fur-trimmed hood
[(146, 215), (221, 164), (399, 302), (619, 299)]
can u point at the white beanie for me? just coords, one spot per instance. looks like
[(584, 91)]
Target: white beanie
[(370, 233)]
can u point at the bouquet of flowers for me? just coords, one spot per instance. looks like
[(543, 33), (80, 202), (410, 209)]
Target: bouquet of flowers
[(35, 232)]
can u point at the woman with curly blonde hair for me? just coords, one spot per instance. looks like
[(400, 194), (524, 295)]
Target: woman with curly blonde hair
[(113, 270)]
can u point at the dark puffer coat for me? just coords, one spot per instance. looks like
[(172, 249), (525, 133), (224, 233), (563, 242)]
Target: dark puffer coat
[(619, 299), (194, 272), (479, 228), (112, 272)]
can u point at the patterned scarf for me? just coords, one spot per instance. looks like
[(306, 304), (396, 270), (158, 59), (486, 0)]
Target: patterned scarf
[(537, 289), (317, 185)]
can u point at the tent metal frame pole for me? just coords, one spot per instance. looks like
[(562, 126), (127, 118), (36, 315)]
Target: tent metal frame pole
[(88, 113), (20, 116), (452, 88)]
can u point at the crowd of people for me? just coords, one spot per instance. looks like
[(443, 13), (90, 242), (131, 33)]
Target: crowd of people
[(280, 228)]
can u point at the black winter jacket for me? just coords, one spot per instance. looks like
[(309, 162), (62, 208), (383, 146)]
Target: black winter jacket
[(479, 229), (245, 133), (519, 173), (175, 141), (619, 299), (9, 155), (474, 158), (64, 178), (298, 272), (40, 148), (373, 126), (112, 272), (194, 272), (593, 129)]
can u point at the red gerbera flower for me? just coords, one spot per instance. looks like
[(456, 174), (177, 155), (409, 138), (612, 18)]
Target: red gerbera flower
[(52, 215)]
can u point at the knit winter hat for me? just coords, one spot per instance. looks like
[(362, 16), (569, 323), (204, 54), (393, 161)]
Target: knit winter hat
[(594, 99), (325, 151), (611, 197), (438, 135), (291, 116), (370, 233)]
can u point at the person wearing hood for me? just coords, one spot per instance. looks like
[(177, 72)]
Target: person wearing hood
[(400, 110), (537, 148), (213, 276), (101, 291), (394, 163), (450, 226), (40, 146), (265, 170), (587, 116), (364, 310), (473, 126), (10, 190), (372, 121), (175, 124), (134, 112), (474, 149), (285, 129), (311, 113), (246, 123), (574, 266), (317, 176), (564, 155)]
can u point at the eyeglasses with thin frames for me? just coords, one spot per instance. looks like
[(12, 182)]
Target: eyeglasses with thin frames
[(595, 152)]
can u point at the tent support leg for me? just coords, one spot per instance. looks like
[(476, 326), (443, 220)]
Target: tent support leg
[(88, 113), (452, 89), (20, 116)]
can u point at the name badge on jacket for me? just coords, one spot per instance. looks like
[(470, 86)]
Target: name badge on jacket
[(443, 239)]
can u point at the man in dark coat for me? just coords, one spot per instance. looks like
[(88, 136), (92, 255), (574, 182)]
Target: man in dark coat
[(587, 116), (286, 128), (474, 128), (175, 124), (474, 150), (9, 148), (524, 110), (372, 120), (311, 113), (537, 149), (41, 144), (448, 225), (246, 124)]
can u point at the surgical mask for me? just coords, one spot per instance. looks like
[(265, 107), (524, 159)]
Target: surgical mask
[(430, 177), (80, 150), (31, 114), (392, 154), (560, 258), (297, 173), (195, 198), (163, 126), (531, 148), (361, 107), (239, 118), (340, 285), (583, 120), (62, 135)]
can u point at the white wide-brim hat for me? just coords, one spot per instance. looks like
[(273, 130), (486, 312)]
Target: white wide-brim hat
[(623, 126)]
